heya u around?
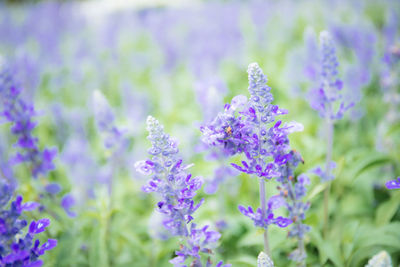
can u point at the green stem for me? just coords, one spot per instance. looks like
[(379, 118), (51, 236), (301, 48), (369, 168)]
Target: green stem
[(263, 203), (329, 148)]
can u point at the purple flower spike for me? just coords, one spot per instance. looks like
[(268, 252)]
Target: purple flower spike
[(16, 111), (177, 188), (393, 184), (251, 129)]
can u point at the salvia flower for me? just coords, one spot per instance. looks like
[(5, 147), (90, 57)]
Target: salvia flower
[(243, 128), (323, 174), (251, 128), (269, 217), (17, 249), (20, 113), (294, 191), (177, 188), (106, 120), (393, 184), (328, 99)]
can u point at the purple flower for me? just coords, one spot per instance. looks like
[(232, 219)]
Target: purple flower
[(250, 127), (269, 217), (67, 202), (327, 98), (53, 188), (177, 189), (322, 174), (393, 184), (106, 121), (144, 167), (15, 248), (20, 113), (39, 226)]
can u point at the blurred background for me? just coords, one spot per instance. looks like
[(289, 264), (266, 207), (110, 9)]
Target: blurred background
[(181, 61)]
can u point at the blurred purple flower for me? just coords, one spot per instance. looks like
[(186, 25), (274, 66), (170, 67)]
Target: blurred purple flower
[(394, 184), (53, 188), (20, 113), (177, 188), (68, 202), (15, 248)]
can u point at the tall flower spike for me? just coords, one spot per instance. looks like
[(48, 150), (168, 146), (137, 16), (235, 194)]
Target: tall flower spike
[(105, 120), (248, 127), (327, 99), (20, 113), (177, 189)]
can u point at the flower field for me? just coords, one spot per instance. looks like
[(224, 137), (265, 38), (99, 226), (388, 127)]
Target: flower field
[(199, 134)]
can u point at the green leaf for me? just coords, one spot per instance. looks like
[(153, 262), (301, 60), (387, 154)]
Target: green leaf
[(387, 210), (316, 190), (368, 162), (316, 238), (244, 261), (332, 251)]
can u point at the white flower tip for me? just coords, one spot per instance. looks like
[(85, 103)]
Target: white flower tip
[(264, 261), (188, 166), (325, 36), (295, 126), (151, 122), (382, 259), (238, 102), (252, 67), (99, 98)]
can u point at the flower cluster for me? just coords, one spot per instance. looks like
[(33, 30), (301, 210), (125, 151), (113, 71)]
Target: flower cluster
[(243, 128), (264, 261), (264, 221), (15, 110), (16, 250), (328, 99), (293, 191), (105, 120), (227, 130), (249, 127), (177, 189)]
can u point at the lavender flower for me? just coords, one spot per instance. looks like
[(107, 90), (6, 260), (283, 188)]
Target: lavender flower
[(15, 110), (16, 249), (177, 189), (67, 202), (105, 120), (393, 184), (268, 218), (243, 129), (221, 174), (390, 82), (327, 99), (293, 191)]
